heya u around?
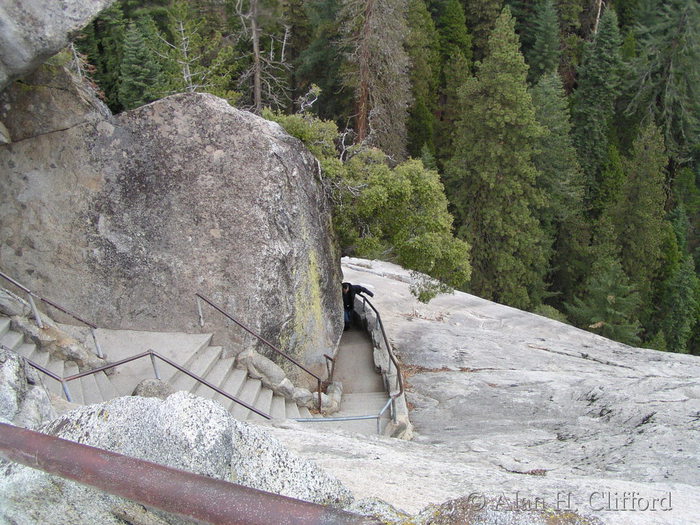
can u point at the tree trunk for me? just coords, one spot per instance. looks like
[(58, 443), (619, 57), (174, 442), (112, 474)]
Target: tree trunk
[(363, 63), (257, 64)]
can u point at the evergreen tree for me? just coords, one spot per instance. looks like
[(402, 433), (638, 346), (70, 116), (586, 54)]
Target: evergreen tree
[(561, 181), (481, 16), (545, 54), (639, 217), (680, 306), (422, 47), (608, 304), (375, 31), (560, 175), (301, 35), (141, 74), (491, 177), (451, 25), (455, 69), (594, 100), (323, 61), (102, 42), (667, 76), (607, 190)]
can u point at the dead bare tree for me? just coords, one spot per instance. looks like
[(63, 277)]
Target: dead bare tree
[(268, 71)]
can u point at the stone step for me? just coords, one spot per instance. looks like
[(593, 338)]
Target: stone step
[(4, 325), (262, 403), (305, 412), (75, 387), (107, 389), (200, 365), (362, 404), (91, 390), (11, 339), (248, 394), (231, 385), (277, 407), (28, 350), (216, 376), (56, 366), (292, 409)]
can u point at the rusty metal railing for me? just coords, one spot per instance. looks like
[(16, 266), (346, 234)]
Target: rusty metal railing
[(37, 315), (149, 353), (260, 338), (189, 495)]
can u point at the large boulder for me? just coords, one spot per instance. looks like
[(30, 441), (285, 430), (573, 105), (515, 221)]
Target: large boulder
[(183, 432), (122, 219), (33, 30), (23, 399)]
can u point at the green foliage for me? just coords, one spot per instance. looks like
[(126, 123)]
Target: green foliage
[(322, 62), (397, 214), (639, 217), (141, 74), (560, 175), (607, 191), (666, 74), (680, 306), (102, 42), (546, 310), (593, 104), (423, 47), (608, 304), (451, 25), (491, 177), (544, 56), (481, 17)]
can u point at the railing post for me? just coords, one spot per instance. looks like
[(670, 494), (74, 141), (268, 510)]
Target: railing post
[(35, 311), (66, 392), (98, 348), (201, 315), (155, 368)]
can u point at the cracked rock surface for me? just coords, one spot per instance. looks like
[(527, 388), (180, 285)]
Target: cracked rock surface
[(503, 400)]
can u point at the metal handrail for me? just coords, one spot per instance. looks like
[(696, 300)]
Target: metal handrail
[(37, 314), (260, 338), (149, 353), (399, 379), (378, 417), (186, 494)]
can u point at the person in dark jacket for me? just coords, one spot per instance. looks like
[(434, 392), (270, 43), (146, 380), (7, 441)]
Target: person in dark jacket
[(349, 291)]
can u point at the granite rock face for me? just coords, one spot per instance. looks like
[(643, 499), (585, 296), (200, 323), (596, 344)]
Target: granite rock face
[(521, 402), (184, 432), (122, 219), (34, 30), (23, 400)]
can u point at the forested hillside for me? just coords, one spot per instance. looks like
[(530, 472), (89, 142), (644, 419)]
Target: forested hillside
[(539, 153)]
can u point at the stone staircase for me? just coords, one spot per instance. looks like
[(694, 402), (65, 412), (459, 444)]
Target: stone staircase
[(200, 358)]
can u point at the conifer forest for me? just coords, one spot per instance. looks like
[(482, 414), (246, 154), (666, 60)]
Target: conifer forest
[(543, 154)]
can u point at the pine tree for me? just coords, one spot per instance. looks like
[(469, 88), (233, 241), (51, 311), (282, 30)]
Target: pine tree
[(680, 306), (103, 42), (323, 61), (140, 71), (594, 100), (608, 304), (640, 217), (481, 16), (544, 56), (491, 177), (560, 175), (667, 76), (422, 47), (451, 24), (375, 31)]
